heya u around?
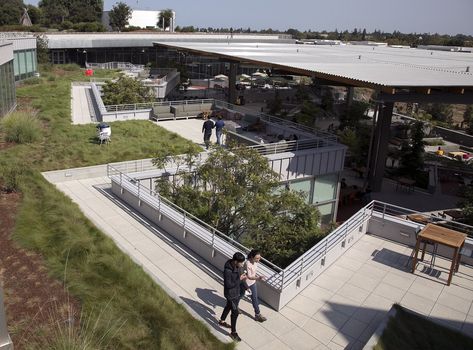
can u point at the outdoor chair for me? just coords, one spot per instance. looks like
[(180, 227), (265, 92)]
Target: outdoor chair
[(104, 137)]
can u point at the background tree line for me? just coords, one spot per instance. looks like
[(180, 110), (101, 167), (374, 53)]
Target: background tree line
[(85, 15), (79, 15)]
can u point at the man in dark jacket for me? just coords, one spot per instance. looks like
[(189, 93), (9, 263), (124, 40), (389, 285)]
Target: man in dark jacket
[(233, 277), (207, 130)]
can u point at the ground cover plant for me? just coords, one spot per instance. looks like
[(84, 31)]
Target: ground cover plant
[(409, 331), (117, 296)]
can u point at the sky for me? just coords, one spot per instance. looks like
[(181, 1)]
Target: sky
[(420, 16)]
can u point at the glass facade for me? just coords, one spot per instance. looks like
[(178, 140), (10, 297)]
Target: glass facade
[(7, 88), (320, 191), (25, 64)]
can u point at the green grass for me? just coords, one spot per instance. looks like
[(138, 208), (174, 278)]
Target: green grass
[(21, 127), (409, 331), (109, 285)]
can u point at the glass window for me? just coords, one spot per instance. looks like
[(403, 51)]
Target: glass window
[(326, 213), (303, 186), (325, 188), (29, 61)]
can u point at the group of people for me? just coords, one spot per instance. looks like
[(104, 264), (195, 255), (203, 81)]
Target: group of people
[(207, 129), (239, 277)]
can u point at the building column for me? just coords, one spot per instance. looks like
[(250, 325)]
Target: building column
[(379, 150), (232, 93)]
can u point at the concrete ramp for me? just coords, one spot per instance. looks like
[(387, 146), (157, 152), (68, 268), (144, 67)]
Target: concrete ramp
[(83, 105)]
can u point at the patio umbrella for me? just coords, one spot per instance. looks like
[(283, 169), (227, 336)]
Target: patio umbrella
[(221, 77)]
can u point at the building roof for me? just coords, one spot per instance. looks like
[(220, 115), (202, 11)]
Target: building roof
[(145, 39), (353, 65)]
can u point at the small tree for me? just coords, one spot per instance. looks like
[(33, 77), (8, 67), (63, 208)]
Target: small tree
[(468, 118), (412, 159), (467, 205), (126, 91), (119, 16), (164, 18), (236, 191)]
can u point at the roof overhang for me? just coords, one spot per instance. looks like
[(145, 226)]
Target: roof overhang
[(394, 72)]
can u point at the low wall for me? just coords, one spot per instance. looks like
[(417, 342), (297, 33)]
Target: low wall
[(143, 114)]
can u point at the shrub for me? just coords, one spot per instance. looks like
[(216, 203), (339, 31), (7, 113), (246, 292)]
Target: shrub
[(11, 175), (32, 81), (21, 127)]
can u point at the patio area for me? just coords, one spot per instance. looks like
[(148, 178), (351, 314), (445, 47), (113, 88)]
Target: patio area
[(339, 310)]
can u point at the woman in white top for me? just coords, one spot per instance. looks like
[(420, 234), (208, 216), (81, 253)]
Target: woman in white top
[(251, 267)]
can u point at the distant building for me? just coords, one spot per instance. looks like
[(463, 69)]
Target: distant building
[(7, 79), (25, 62), (142, 19), (444, 48)]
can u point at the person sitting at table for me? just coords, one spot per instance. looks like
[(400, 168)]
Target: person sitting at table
[(439, 151)]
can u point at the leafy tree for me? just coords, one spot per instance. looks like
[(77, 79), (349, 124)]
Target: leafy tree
[(119, 16), (42, 50), (54, 11), (466, 204), (363, 35), (468, 117), (236, 191), (126, 91), (412, 159), (275, 104), (10, 11), (440, 112), (164, 18), (353, 115)]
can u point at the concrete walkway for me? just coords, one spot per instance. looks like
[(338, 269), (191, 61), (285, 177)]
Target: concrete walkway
[(81, 113), (339, 310)]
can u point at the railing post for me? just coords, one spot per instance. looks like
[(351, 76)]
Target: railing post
[(282, 279), (384, 210), (302, 266)]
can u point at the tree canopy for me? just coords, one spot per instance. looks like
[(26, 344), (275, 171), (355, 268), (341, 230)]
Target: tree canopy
[(236, 191), (164, 19), (10, 11), (126, 90), (56, 12), (119, 16)]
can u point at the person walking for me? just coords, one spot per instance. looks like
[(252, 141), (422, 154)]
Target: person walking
[(207, 130), (233, 277), (219, 129), (251, 267)]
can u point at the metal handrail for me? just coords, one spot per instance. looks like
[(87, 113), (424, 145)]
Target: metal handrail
[(111, 171)]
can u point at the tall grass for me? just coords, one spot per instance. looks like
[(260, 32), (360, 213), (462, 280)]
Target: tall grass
[(50, 223), (21, 127)]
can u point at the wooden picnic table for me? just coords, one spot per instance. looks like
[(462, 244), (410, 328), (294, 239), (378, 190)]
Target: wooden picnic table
[(435, 234)]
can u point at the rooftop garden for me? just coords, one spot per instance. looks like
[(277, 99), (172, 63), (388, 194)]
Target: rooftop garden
[(93, 271)]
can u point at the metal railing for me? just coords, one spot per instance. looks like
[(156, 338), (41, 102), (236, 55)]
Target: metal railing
[(158, 202), (115, 65)]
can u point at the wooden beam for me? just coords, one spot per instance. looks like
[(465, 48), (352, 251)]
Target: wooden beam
[(456, 90), (423, 90)]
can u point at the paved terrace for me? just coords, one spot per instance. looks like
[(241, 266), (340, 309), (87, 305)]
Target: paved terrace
[(339, 310)]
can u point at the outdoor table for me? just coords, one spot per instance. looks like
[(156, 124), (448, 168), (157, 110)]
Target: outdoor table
[(454, 214), (440, 235), (405, 182)]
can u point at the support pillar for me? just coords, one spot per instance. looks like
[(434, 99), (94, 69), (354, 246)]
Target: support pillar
[(379, 150), (350, 93), (232, 92)]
